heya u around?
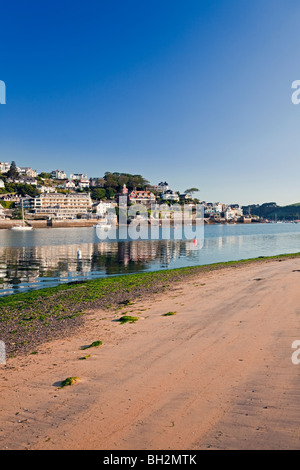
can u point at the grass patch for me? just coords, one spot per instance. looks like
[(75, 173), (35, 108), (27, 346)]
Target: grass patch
[(169, 314), (84, 357)]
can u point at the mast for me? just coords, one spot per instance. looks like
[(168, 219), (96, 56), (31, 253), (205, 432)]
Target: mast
[(23, 214)]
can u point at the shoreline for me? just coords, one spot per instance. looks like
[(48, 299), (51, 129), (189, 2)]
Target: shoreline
[(7, 224), (55, 312), (68, 223), (36, 224), (216, 374)]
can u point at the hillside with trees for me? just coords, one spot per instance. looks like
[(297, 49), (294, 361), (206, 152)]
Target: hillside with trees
[(272, 211), (112, 184)]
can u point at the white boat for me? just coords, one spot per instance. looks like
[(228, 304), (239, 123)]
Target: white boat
[(23, 227), (104, 224)]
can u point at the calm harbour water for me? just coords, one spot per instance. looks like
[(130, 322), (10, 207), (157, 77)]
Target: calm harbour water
[(47, 257)]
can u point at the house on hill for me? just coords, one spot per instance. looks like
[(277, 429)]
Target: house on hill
[(141, 197)]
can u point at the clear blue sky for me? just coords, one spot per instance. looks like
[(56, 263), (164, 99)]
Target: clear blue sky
[(195, 92)]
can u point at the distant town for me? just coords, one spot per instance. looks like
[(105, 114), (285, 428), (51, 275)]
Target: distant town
[(57, 196)]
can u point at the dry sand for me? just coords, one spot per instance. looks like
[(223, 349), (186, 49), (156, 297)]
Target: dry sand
[(217, 375)]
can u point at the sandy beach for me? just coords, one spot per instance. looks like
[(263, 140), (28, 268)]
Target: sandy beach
[(216, 375)]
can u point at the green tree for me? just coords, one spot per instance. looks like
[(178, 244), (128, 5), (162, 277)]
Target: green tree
[(115, 181), (27, 190), (191, 191), (17, 214), (13, 172), (98, 193), (110, 193), (45, 176)]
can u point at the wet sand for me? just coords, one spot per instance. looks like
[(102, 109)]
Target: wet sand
[(217, 375)]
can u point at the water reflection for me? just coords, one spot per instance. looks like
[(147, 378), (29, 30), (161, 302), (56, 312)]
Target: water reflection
[(22, 267), (49, 257)]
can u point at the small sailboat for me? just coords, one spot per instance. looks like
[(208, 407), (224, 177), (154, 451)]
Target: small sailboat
[(23, 227)]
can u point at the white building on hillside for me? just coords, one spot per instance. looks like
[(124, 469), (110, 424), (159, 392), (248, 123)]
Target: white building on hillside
[(84, 183), (164, 186), (218, 208), (67, 185), (58, 175), (170, 195), (27, 171), (23, 180), (2, 185), (233, 212), (4, 167), (146, 198), (46, 189), (105, 206), (78, 176)]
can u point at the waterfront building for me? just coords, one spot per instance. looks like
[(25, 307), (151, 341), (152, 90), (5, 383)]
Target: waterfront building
[(218, 208), (229, 214), (104, 207), (233, 212), (61, 206)]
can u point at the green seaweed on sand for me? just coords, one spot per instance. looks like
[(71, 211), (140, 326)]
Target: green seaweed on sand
[(127, 319), (30, 319), (69, 381), (169, 314), (95, 344)]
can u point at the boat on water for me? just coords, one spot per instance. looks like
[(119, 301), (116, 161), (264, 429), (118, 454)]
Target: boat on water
[(103, 226), (23, 227)]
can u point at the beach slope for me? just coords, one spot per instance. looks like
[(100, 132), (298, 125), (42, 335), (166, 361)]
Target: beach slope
[(217, 374)]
